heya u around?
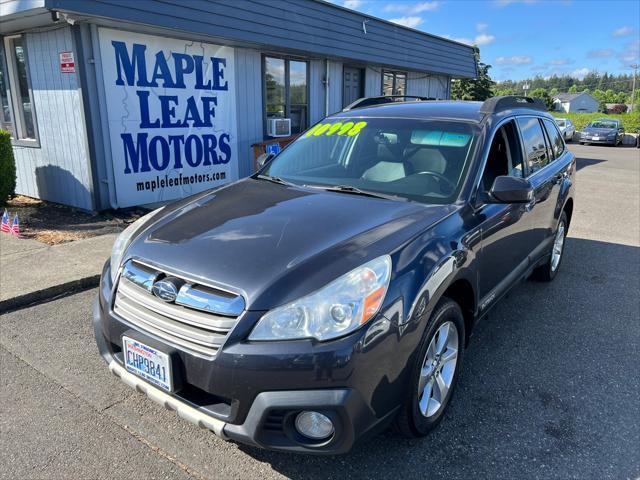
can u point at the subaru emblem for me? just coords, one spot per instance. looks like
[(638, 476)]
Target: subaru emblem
[(167, 289)]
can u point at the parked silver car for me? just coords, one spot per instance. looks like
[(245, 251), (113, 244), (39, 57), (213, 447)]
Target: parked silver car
[(567, 128)]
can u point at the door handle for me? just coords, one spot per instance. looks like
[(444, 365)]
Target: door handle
[(560, 177)]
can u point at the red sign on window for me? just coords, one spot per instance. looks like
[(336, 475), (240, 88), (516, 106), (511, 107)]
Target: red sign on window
[(67, 62)]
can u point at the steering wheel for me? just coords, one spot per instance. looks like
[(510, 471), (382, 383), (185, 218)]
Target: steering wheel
[(441, 179)]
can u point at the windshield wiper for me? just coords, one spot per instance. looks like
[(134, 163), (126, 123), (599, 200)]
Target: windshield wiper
[(273, 179), (357, 191)]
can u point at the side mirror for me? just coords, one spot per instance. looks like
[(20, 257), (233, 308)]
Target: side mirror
[(507, 189), (264, 159)]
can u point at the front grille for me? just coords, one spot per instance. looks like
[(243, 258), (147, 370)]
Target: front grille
[(198, 320)]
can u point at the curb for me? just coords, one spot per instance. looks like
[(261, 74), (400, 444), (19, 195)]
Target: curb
[(49, 293)]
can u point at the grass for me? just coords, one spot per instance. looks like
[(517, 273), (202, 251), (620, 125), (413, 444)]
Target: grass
[(630, 121)]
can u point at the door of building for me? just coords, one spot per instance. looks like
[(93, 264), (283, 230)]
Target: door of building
[(352, 85)]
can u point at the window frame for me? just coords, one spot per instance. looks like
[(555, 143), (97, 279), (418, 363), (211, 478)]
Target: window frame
[(524, 151), (287, 90), (519, 145), (394, 74), (17, 115), (554, 157)]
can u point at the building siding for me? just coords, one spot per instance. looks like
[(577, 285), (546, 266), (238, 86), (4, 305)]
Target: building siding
[(58, 170), (249, 106), (311, 27)]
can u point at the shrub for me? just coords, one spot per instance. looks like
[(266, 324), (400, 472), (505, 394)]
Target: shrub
[(618, 108), (7, 168), (630, 121)]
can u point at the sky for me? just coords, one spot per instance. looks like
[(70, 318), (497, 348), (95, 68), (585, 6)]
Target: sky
[(524, 38)]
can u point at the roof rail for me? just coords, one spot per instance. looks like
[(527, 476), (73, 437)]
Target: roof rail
[(382, 99), (508, 102)]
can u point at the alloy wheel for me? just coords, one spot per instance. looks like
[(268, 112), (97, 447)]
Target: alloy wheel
[(558, 245), (438, 369)]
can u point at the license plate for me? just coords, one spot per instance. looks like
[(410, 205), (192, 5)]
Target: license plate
[(596, 138), (147, 362)]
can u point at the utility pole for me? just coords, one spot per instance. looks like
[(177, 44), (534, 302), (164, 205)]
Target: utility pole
[(633, 88)]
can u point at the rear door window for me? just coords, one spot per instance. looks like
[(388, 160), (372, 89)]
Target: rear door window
[(557, 145), (535, 147)]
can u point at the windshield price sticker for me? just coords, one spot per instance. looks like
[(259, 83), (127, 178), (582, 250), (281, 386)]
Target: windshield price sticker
[(327, 129)]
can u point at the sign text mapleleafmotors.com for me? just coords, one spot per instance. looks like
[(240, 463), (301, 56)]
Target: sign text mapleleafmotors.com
[(171, 115)]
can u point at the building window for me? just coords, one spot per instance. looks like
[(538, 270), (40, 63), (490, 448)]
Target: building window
[(286, 91), (17, 88), (394, 83), (6, 123)]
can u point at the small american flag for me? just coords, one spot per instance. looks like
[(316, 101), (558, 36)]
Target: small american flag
[(15, 227), (5, 223)]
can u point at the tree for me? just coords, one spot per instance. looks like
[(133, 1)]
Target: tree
[(7, 168), (573, 88), (544, 95), (479, 88), (554, 91), (602, 106)]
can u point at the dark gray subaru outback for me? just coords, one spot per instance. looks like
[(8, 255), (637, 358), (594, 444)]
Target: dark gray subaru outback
[(333, 293)]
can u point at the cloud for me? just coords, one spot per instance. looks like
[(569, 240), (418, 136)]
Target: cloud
[(504, 3), (622, 32), (580, 73), (603, 53), (412, 9), (410, 21), (514, 60), (352, 4), (483, 37), (631, 52), (560, 61)]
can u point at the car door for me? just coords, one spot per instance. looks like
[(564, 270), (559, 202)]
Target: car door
[(506, 240), (546, 175)]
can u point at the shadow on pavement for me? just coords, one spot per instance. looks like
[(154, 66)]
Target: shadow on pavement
[(587, 162), (550, 377)]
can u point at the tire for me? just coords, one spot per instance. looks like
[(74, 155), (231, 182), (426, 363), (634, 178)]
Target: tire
[(548, 271), (411, 422)]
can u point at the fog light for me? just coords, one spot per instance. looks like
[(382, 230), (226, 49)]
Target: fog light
[(314, 425)]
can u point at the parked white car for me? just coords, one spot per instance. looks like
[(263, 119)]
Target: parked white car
[(567, 128)]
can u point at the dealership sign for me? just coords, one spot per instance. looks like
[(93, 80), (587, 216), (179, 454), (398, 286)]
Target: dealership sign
[(171, 115)]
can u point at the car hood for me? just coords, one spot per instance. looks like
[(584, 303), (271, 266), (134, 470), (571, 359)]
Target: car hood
[(599, 131), (274, 243)]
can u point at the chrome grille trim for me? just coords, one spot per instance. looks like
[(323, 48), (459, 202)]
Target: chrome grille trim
[(175, 312), (199, 331)]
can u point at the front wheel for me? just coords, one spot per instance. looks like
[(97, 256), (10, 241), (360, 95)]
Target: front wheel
[(435, 371), (549, 269)]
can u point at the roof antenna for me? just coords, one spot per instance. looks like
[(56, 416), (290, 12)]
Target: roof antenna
[(364, 26)]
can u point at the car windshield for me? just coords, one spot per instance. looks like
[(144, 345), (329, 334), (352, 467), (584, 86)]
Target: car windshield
[(603, 124), (561, 123), (419, 160)]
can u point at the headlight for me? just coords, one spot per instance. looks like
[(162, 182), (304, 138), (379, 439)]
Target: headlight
[(336, 309), (122, 242)]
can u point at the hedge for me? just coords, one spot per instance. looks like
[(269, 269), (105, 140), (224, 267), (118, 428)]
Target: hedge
[(630, 121), (7, 168)]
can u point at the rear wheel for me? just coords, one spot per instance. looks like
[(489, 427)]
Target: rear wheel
[(549, 269), (435, 371)]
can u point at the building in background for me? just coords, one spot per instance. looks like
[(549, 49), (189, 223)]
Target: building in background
[(114, 104), (575, 102)]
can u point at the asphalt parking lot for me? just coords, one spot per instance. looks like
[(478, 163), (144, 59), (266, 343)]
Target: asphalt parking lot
[(549, 389)]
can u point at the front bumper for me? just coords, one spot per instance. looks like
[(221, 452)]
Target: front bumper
[(605, 141), (251, 392)]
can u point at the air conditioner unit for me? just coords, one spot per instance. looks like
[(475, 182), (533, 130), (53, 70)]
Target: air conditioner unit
[(279, 127)]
